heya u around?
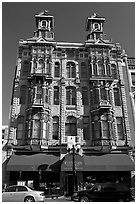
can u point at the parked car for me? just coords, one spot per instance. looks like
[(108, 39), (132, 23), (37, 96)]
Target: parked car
[(103, 192), (17, 193)]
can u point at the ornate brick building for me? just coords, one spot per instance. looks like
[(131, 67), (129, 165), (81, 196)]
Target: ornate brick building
[(66, 93)]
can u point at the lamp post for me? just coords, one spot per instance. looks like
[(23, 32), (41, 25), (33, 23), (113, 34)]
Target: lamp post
[(73, 168)]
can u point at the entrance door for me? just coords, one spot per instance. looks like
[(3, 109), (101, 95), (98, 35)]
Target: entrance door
[(69, 184)]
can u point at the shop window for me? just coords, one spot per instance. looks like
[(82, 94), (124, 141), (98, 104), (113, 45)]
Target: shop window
[(85, 95), (55, 128), (71, 126), (83, 70), (56, 95), (114, 71), (70, 96), (26, 68), (86, 128), (20, 124), (57, 69), (117, 97), (120, 128), (101, 70), (23, 91), (133, 78), (71, 70)]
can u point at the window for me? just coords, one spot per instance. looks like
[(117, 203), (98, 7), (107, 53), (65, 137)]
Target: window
[(56, 95), (85, 95), (23, 90), (11, 189), (46, 95), (83, 70), (26, 68), (20, 124), (108, 69), (120, 128), (117, 97), (41, 63), (57, 69), (95, 96), (44, 23), (96, 130), (101, 68), (103, 93), (71, 126), (94, 69), (114, 71), (133, 78), (39, 94), (36, 126), (105, 129), (71, 96), (85, 128), (71, 70), (55, 128), (21, 188)]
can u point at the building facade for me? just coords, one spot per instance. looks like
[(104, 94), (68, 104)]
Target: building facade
[(67, 94)]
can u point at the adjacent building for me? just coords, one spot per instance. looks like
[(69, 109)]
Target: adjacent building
[(69, 95)]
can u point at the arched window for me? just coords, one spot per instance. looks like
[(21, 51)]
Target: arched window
[(71, 95), (114, 71), (71, 126), (56, 95), (44, 23), (57, 69), (23, 90), (20, 124), (101, 70), (41, 63), (26, 68), (83, 70), (71, 70), (55, 128)]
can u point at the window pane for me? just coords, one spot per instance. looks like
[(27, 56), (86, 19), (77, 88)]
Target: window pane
[(120, 128), (70, 96), (114, 71), (117, 97), (83, 70), (36, 133), (57, 69), (56, 95), (133, 78), (26, 68), (23, 90), (85, 95), (103, 93)]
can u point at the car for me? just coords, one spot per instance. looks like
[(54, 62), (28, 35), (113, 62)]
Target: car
[(104, 192), (18, 193)]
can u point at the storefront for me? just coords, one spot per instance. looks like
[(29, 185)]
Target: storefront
[(47, 172)]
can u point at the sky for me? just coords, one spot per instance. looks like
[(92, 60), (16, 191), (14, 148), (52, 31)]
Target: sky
[(18, 22)]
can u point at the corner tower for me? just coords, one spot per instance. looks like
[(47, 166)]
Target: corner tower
[(94, 26), (44, 25)]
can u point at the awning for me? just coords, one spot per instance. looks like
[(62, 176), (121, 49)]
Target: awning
[(109, 162), (67, 163), (30, 162)]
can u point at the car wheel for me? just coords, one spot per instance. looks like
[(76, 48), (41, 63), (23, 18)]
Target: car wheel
[(84, 199), (29, 199)]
